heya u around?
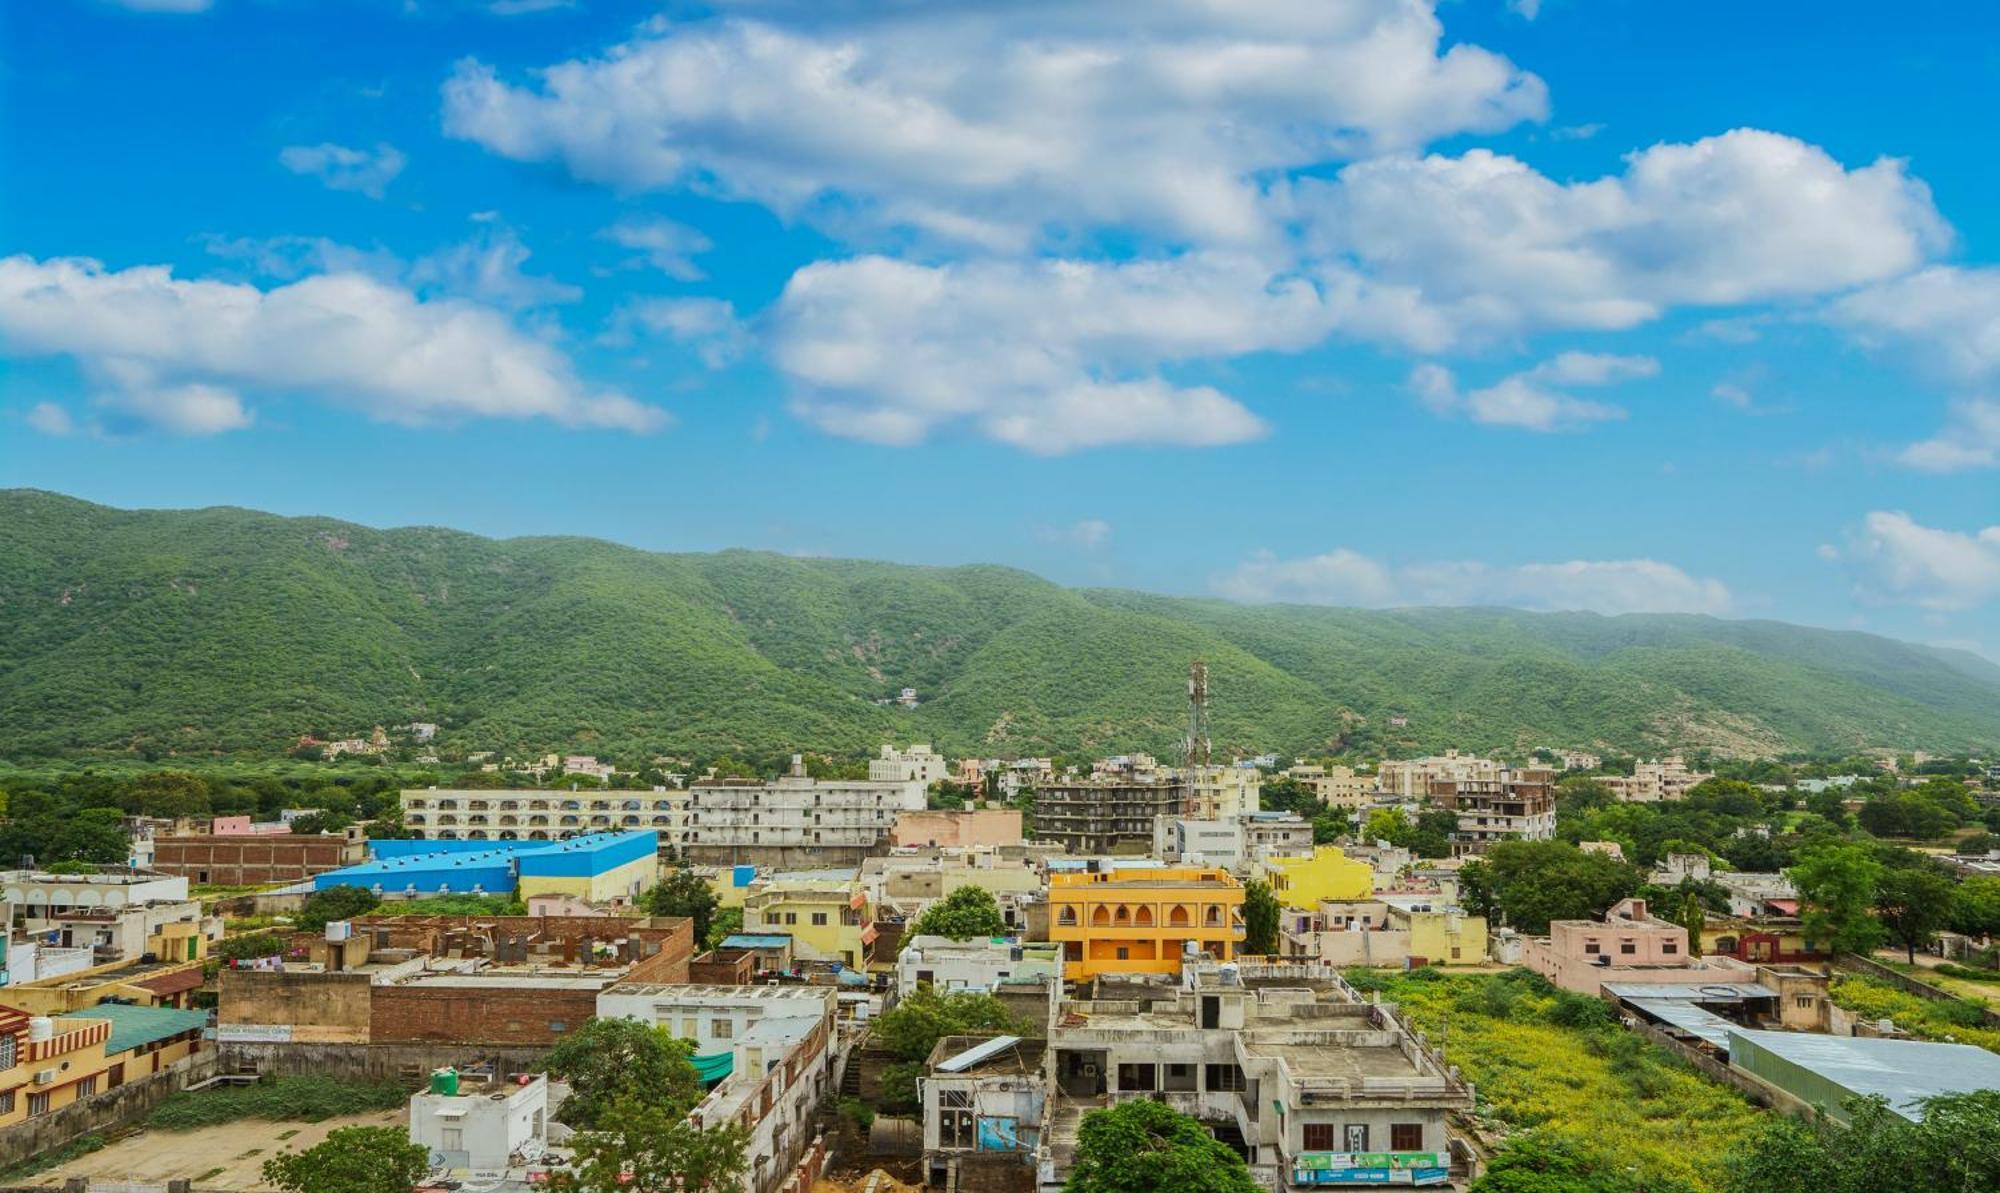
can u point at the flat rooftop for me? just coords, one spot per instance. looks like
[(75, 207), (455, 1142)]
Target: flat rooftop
[(1344, 1062)]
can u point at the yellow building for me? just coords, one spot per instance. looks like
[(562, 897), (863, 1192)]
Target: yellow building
[(1303, 882), (824, 912), (48, 1063), (145, 984), (599, 868), (1448, 937), (1140, 920)]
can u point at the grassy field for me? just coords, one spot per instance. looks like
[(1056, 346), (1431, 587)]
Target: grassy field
[(1543, 1059), (1958, 1022), (286, 1099)]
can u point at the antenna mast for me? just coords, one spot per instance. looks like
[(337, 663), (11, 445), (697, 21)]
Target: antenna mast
[(1195, 749)]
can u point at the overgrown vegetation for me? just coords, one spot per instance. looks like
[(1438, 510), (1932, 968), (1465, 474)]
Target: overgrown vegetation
[(1928, 1019), (1556, 1064), (279, 1099)]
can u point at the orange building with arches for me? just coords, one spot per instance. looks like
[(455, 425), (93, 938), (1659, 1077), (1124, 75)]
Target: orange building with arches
[(1140, 920)]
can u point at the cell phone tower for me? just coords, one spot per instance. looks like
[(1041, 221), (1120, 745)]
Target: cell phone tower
[(1195, 749)]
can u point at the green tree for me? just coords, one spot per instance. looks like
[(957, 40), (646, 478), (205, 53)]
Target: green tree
[(640, 1147), (1538, 1162), (1529, 883), (967, 912), (1836, 885), (342, 902), (170, 793), (683, 893), (728, 922), (921, 1019), (1976, 907), (1913, 904), (1694, 917), (1953, 1148), (609, 1060), (352, 1160), (1260, 919), (1149, 1147)]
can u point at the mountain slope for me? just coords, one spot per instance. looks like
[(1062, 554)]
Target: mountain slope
[(235, 630)]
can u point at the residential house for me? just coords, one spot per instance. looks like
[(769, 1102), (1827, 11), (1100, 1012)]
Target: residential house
[(1144, 920)]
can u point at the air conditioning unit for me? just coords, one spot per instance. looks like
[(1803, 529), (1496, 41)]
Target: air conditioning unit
[(46, 1077)]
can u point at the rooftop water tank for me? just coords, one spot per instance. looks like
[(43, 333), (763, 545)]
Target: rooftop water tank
[(444, 1081), (41, 1027)]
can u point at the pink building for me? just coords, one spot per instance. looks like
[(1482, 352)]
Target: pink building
[(242, 826), (1628, 946), (957, 830)]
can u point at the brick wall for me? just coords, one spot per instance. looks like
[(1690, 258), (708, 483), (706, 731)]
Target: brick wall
[(529, 1015), (248, 861), (317, 1007), (512, 938)]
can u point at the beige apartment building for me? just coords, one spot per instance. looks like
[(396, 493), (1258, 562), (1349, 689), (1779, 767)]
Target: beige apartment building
[(1335, 786)]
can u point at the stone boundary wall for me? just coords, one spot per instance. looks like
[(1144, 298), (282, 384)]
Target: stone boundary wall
[(406, 1063), (1755, 1088), (108, 1111), (1909, 985)]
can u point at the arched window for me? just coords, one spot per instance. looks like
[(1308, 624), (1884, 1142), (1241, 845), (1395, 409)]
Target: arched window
[(1144, 918), (1178, 917), (1214, 917), (1067, 916), (1101, 918), (1124, 914)]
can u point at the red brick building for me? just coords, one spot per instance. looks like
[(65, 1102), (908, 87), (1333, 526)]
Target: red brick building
[(259, 860)]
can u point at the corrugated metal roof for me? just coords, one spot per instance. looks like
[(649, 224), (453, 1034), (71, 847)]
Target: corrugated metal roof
[(1904, 1072), (1688, 991), (977, 1053), (1704, 1025), (135, 1027)]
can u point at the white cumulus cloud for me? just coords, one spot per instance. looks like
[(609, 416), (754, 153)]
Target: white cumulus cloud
[(1049, 355), (342, 168), (1533, 400), (986, 123), (1896, 558), (1495, 246), (174, 353), (1347, 577)]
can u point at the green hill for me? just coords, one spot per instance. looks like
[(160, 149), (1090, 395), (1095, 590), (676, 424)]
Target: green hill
[(226, 629)]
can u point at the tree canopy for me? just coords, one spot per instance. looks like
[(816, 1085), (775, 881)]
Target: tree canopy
[(641, 1147), (683, 893), (1836, 884), (607, 1061), (1526, 884), (967, 912), (1260, 919), (1144, 1146), (923, 1018), (352, 1160), (1955, 1148)]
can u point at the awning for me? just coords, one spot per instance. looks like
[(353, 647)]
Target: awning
[(714, 1066), (1784, 906)]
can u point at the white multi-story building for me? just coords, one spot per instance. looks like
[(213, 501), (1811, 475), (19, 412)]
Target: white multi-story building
[(917, 763), (480, 1129), (738, 819), (481, 814), (1223, 792), (1234, 842)]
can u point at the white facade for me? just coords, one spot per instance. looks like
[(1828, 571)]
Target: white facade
[(980, 964), (36, 889), (478, 814), (483, 1131), (714, 1017), (918, 763), (797, 811)]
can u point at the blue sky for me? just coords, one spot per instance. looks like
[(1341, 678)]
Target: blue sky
[(1594, 304)]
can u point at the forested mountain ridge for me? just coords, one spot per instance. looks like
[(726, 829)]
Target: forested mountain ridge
[(228, 629)]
